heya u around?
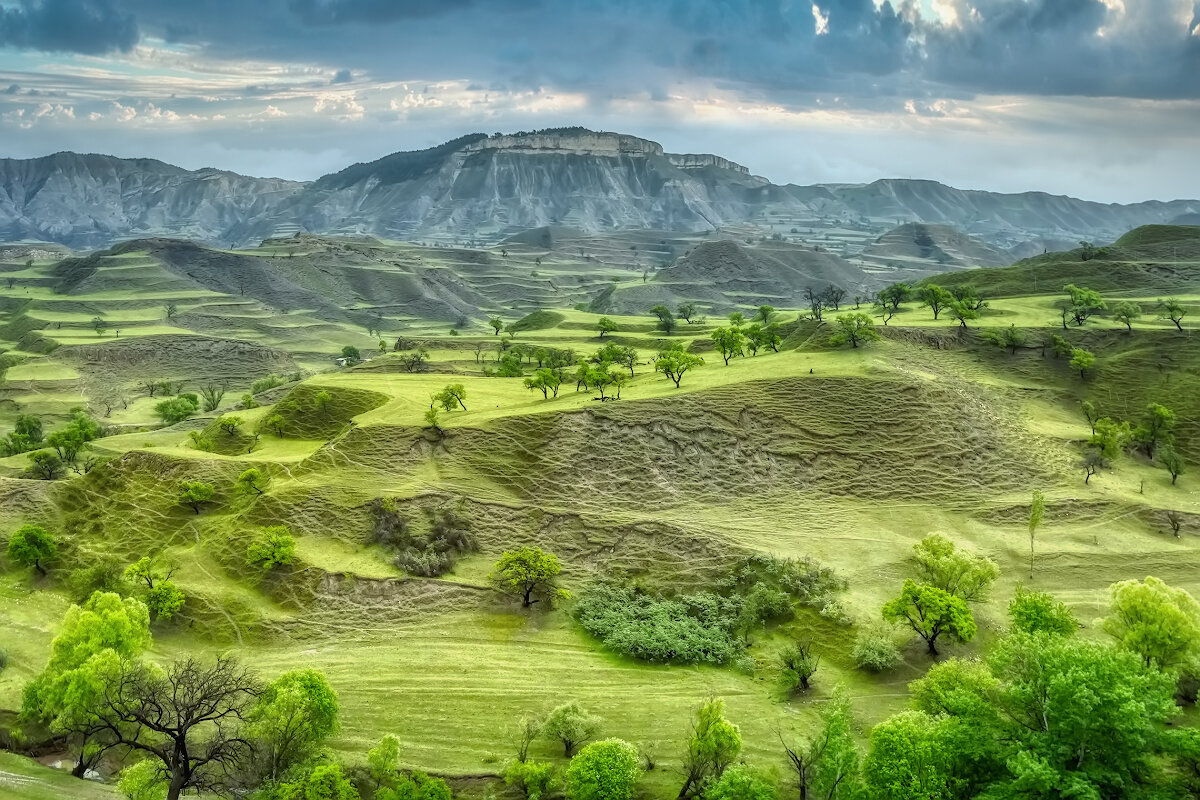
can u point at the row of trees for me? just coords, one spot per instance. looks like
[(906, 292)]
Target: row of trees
[(1083, 303), (51, 455), (1153, 436)]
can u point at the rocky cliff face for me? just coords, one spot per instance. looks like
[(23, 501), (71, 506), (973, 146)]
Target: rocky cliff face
[(483, 187)]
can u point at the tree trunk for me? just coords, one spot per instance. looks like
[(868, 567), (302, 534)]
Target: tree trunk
[(1177, 325), (932, 649), (81, 766), (175, 788)]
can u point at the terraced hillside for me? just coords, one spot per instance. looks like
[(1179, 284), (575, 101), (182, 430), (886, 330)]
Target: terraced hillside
[(843, 455)]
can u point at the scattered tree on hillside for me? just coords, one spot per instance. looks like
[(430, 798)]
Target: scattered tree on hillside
[(604, 770), (1155, 428), (26, 435), (666, 320), (833, 295), (529, 573), (170, 310), (958, 572), (44, 465), (799, 663), (1092, 462), (1037, 510), (1174, 463), (1009, 338), (1038, 612), (32, 546), (1082, 302), (936, 298), (1158, 622), (606, 325), (99, 325), (414, 360), (496, 325), (815, 301), (175, 410), (730, 342), (545, 381), (1090, 413), (529, 728), (827, 766), (712, 747), (931, 613), (276, 547), (351, 354), (195, 494), (758, 336), (252, 481), (1061, 346), (1173, 310), (570, 724), (613, 353), (962, 312), (737, 319), (1087, 251), (884, 312), (212, 396), (968, 294), (189, 717), (276, 422), (451, 397), (892, 296), (854, 327), (230, 425), (1082, 360), (675, 361), (764, 313), (292, 718), (1125, 312), (685, 311)]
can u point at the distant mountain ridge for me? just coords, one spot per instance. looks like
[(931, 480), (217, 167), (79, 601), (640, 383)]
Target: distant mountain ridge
[(482, 188)]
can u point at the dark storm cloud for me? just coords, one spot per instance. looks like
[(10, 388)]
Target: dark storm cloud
[(91, 27)]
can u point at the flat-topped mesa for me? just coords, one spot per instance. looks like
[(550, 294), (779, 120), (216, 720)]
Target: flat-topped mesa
[(583, 143), (702, 160)]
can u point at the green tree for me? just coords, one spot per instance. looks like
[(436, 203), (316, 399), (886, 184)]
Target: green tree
[(544, 380), (276, 422), (1160, 623), (621, 355), (712, 747), (1173, 310), (324, 782), (730, 342), (165, 600), (960, 573), (1109, 437), (604, 770), (686, 311), (293, 717), (212, 395), (606, 325), (1037, 510), (322, 400), (827, 765), (675, 361), (935, 298), (737, 319), (1082, 360), (1125, 312), (855, 327), (799, 663), (1010, 338), (229, 425), (529, 573), (415, 786), (496, 324), (195, 494), (892, 296), (910, 759), (351, 354), (32, 546), (741, 783), (1039, 612), (764, 314), (1155, 428), (757, 336), (962, 311), (931, 613), (1082, 303), (252, 481), (1170, 458), (666, 320), (44, 465), (571, 725), (142, 780), (177, 409), (1090, 413), (383, 761), (276, 547), (534, 779), (451, 397), (94, 639)]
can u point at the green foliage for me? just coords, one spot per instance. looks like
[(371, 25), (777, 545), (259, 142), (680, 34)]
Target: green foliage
[(1039, 612), (1082, 302), (529, 573), (741, 783), (102, 574), (267, 383), (200, 441), (451, 397), (827, 765), (274, 548), (1109, 437), (571, 725), (1155, 428), (894, 295), (798, 663), (855, 327), (26, 435), (496, 324), (675, 360), (961, 574), (606, 325), (604, 770), (764, 313), (874, 648), (1061, 346), (666, 320), (229, 425), (1125, 312), (143, 780), (351, 354), (712, 747), (325, 782), (383, 761), (758, 336), (293, 717), (44, 465), (935, 298), (322, 399), (931, 613), (910, 758), (32, 546), (165, 600), (1082, 360), (415, 786), (546, 381), (1010, 338), (690, 629), (1160, 623), (730, 342), (252, 481), (613, 353), (195, 494), (1173, 310), (175, 410), (962, 310), (276, 423), (737, 319), (533, 779), (212, 396), (1172, 461)]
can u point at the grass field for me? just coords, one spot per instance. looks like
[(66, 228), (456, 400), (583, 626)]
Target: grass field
[(846, 455)]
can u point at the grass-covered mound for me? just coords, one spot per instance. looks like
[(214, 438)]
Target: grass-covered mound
[(312, 411), (537, 321)]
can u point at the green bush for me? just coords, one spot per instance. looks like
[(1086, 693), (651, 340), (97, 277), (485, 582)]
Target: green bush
[(697, 628), (269, 382), (604, 770), (875, 648), (177, 409), (533, 779), (739, 782)]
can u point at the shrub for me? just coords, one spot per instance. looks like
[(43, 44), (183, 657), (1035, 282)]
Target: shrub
[(164, 600), (275, 548), (105, 575), (533, 779), (875, 648), (416, 786), (696, 628), (143, 781), (739, 782), (605, 770), (200, 441), (3, 659), (177, 409), (269, 382)]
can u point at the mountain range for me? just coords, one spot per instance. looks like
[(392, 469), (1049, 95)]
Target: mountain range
[(481, 188)]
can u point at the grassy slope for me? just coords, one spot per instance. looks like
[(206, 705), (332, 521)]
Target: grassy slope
[(846, 455)]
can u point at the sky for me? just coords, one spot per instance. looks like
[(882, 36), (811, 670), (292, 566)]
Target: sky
[(1097, 99)]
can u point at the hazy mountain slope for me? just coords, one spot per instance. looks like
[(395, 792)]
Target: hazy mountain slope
[(943, 244)]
